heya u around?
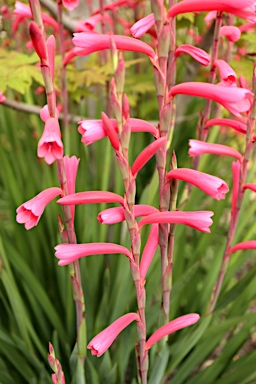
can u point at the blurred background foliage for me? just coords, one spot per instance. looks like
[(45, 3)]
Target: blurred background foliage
[(36, 304)]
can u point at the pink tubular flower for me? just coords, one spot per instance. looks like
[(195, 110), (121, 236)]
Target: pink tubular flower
[(211, 185), (245, 10), (250, 244), (100, 343), (51, 49), (110, 131), (68, 253), (92, 130), (146, 155), (38, 41), (227, 74), (198, 148), (234, 99), (142, 26), (116, 215), (197, 53), (230, 32), (149, 251), (200, 220), (70, 4), (23, 11), (30, 212), (91, 42), (173, 326), (2, 97), (91, 197), (71, 166), (50, 145), (236, 125)]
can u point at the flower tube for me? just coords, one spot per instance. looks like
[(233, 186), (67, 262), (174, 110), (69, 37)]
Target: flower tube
[(198, 148), (50, 145), (198, 54), (91, 197)]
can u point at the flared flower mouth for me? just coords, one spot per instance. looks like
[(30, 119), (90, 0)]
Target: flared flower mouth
[(50, 146)]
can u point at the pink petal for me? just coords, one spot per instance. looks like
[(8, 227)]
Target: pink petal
[(237, 125), (200, 220), (116, 215), (227, 74), (212, 185), (149, 251), (100, 343), (68, 253), (230, 32), (250, 186), (91, 197), (197, 53), (172, 326), (142, 26), (250, 244)]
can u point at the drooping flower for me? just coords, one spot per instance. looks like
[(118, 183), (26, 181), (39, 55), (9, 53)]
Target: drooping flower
[(200, 220), (231, 32), (235, 100), (197, 53), (100, 343), (142, 26), (90, 42), (29, 213), (68, 253), (212, 185), (198, 148), (173, 326), (23, 11), (246, 9), (116, 215), (70, 4), (50, 145), (91, 197)]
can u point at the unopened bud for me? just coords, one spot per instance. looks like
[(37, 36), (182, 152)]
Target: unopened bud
[(38, 41)]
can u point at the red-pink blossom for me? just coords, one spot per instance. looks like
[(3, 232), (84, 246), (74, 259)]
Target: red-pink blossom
[(212, 185), (231, 32), (146, 155), (70, 166), (91, 197), (197, 53), (38, 41), (2, 97), (50, 145), (235, 124), (198, 148), (250, 244), (149, 251), (68, 253), (110, 131), (45, 115), (227, 74), (234, 99), (90, 42), (173, 326), (100, 343), (30, 212), (93, 130), (70, 4), (142, 26), (116, 215), (23, 11), (246, 9), (200, 220)]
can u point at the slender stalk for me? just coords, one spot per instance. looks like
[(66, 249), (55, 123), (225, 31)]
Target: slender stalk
[(63, 79), (235, 217)]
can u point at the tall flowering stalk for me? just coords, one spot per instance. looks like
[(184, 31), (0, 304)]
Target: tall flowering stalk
[(66, 168)]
